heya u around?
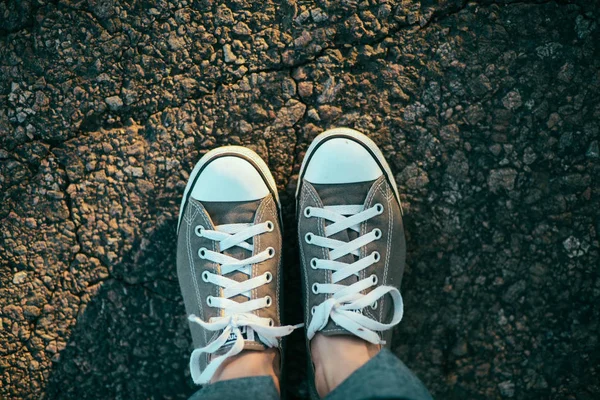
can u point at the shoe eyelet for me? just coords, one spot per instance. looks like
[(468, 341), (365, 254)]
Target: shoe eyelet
[(374, 279), (379, 208), (271, 322), (268, 276), (307, 212), (269, 301), (377, 233), (198, 230), (374, 305), (313, 263), (202, 252), (205, 276), (270, 226), (271, 252), (376, 256), (315, 288), (308, 237), (209, 301), (312, 310)]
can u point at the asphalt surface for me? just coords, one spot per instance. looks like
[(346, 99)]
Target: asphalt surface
[(487, 113)]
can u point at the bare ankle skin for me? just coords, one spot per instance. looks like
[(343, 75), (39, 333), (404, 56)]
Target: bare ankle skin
[(337, 357), (250, 363)]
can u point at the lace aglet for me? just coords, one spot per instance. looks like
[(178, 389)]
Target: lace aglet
[(297, 326)]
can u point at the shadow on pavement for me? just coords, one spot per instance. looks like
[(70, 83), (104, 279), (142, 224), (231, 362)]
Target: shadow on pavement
[(131, 340)]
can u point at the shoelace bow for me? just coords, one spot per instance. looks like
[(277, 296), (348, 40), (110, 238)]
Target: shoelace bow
[(235, 315), (345, 304)]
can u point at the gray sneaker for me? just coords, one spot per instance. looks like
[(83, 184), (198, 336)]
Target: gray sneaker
[(351, 238), (229, 258)]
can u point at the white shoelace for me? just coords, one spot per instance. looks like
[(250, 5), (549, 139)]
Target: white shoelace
[(345, 305), (235, 315)]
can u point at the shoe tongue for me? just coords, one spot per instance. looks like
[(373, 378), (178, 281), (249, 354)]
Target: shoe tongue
[(344, 194), (336, 195), (230, 212)]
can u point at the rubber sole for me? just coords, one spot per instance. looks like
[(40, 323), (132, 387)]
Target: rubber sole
[(230, 151)]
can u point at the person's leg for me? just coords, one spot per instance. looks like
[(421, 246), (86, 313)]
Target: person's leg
[(352, 249), (336, 357), (251, 374), (229, 271), (349, 368)]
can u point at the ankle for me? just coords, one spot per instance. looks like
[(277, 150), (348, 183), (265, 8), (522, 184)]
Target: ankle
[(250, 363), (336, 357)]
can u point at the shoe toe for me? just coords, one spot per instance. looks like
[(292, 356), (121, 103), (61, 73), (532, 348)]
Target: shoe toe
[(341, 160), (229, 178)]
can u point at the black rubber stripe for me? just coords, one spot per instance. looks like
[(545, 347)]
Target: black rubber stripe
[(341, 135), (256, 167)]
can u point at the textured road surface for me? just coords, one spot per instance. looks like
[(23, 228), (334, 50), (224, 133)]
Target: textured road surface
[(488, 114)]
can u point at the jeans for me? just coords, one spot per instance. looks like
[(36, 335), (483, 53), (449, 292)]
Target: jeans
[(383, 377)]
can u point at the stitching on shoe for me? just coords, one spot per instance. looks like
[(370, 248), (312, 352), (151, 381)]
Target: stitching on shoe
[(389, 244), (217, 290), (320, 226), (325, 252), (256, 248), (368, 202), (304, 270), (193, 272), (191, 257), (273, 210)]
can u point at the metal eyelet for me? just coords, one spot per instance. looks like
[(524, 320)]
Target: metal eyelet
[(202, 252), (268, 276), (315, 288), (313, 263), (270, 226), (379, 208), (271, 252), (271, 322), (308, 237), (307, 212), (269, 301), (205, 276), (374, 279), (374, 305), (312, 310), (376, 256), (198, 230), (377, 233), (209, 301)]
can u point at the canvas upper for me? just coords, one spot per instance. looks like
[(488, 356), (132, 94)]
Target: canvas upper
[(351, 240), (230, 193)]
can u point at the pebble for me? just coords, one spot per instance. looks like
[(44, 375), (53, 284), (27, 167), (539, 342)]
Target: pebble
[(19, 277), (114, 103), (501, 179), (507, 389), (593, 151), (228, 55), (512, 100)]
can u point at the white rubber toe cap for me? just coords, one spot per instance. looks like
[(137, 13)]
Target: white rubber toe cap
[(229, 178), (341, 160)]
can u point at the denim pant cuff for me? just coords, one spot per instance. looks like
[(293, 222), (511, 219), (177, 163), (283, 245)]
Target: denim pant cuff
[(252, 388), (383, 377)]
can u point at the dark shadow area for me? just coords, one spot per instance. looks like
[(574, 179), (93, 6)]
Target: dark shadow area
[(131, 341), (294, 378)]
